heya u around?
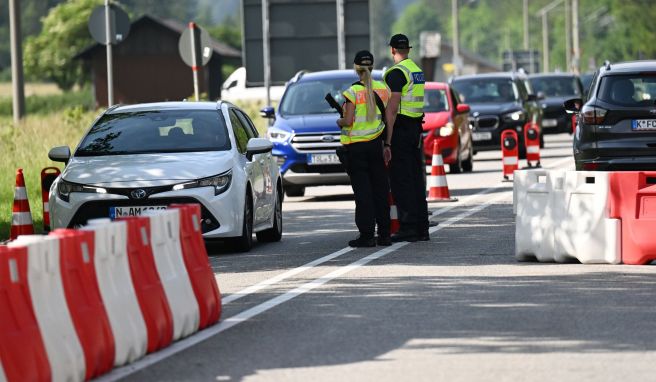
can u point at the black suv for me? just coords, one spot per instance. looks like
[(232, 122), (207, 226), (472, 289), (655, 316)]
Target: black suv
[(617, 123), (498, 101), (556, 88)]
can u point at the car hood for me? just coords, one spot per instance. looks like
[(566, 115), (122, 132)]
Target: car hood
[(494, 108), (308, 123), (434, 120), (146, 170)]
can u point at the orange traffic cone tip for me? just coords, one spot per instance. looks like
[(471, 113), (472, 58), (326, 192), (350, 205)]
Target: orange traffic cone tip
[(438, 189), (21, 218)]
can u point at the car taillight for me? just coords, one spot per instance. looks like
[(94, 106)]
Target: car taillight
[(590, 166), (593, 115)]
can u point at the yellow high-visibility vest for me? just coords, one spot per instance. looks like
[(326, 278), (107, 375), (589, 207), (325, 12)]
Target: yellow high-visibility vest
[(361, 130), (412, 94)]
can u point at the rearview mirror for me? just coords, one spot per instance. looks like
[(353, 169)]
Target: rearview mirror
[(463, 108), (60, 154), (258, 146), (573, 105), (541, 95), (268, 112)]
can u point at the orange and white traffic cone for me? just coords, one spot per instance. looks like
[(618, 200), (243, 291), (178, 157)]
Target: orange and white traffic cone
[(395, 224), (21, 219), (438, 189)]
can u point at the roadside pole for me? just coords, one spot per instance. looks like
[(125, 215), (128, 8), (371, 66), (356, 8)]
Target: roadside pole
[(575, 37), (18, 92), (194, 58), (525, 17), (265, 50), (456, 37), (108, 39), (341, 43)]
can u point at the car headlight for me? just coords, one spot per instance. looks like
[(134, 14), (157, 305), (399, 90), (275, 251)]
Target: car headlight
[(278, 135), (64, 189), (220, 183), (514, 116), (447, 130)]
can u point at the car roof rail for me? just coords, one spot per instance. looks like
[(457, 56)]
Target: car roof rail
[(297, 76), (607, 64)]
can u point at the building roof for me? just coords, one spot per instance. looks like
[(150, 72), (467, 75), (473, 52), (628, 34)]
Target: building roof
[(471, 56), (172, 25)]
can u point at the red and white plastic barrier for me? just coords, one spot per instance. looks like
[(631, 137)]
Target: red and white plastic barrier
[(509, 152)]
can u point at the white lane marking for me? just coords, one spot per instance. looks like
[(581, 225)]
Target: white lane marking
[(246, 315)]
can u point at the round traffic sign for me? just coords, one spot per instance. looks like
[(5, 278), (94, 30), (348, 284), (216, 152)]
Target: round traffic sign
[(203, 49), (119, 24)]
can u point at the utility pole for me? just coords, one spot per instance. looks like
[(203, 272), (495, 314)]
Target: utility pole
[(575, 36), (18, 93), (545, 32), (265, 50), (526, 41), (341, 41), (568, 36), (110, 70), (456, 37)]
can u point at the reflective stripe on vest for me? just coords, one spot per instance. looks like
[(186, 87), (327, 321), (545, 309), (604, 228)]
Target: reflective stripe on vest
[(361, 130), (412, 94)]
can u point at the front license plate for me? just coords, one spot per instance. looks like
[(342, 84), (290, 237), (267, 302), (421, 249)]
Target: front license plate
[(485, 136), (317, 159), (549, 122), (643, 124), (122, 212)]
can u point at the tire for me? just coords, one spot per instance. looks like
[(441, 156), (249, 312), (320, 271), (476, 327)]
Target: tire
[(456, 168), (244, 243), (274, 233), (468, 165), (294, 191)]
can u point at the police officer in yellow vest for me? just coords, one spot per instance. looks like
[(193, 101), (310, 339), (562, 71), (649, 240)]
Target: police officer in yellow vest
[(362, 127), (405, 113)]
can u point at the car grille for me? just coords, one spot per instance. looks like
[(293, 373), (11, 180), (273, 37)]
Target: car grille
[(315, 142), (486, 122), (100, 209)]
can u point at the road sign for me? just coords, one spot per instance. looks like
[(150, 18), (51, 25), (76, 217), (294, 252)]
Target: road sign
[(429, 44), (203, 49), (119, 20)]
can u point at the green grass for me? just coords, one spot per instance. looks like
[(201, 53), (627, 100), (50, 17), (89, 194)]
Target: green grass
[(51, 103), (26, 146)]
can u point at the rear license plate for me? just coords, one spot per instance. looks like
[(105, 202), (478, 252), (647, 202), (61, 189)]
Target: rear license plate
[(549, 122), (318, 159), (643, 124), (485, 136), (122, 212)]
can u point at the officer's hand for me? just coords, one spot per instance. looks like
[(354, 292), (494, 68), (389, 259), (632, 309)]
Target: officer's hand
[(387, 154)]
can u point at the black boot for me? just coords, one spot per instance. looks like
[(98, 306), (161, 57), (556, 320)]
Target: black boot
[(362, 242), (404, 235)]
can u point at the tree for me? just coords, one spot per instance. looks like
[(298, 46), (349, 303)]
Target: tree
[(50, 54), (418, 17)]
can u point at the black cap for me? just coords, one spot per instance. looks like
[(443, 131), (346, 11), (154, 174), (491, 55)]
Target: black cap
[(364, 58), (400, 41)]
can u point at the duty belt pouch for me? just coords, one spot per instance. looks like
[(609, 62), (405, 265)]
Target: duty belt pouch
[(343, 154)]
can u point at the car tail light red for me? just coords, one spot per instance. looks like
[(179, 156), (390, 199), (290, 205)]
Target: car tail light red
[(593, 115), (590, 166)]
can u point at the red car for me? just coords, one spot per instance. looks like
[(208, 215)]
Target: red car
[(446, 120)]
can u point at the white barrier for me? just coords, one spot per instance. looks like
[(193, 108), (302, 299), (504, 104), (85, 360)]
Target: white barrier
[(117, 290), (165, 237), (62, 345), (585, 232), (522, 179), (536, 215)]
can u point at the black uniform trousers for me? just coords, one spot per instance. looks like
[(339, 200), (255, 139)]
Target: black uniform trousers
[(370, 187), (407, 175)]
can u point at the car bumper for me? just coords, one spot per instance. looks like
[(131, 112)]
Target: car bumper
[(315, 178), (221, 214), (644, 163), (557, 124)]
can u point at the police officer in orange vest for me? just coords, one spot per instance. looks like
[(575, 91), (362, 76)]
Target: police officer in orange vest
[(362, 130)]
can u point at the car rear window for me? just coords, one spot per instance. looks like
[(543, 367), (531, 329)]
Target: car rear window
[(556, 86), (486, 90), (632, 90), (156, 131), (435, 101)]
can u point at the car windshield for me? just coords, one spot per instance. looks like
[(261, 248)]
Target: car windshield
[(629, 90), (486, 90), (308, 97), (556, 86), (156, 131), (435, 101)]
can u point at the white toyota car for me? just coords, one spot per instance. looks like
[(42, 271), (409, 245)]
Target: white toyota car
[(144, 157)]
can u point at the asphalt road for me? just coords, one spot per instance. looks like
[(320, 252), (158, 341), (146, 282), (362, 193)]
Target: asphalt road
[(457, 308)]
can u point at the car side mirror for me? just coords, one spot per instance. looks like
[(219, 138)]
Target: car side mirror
[(60, 154), (463, 108), (268, 112), (258, 146), (573, 105), (541, 96)]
